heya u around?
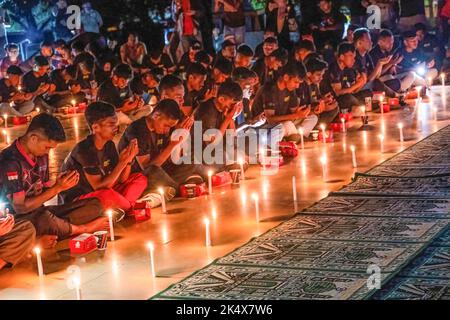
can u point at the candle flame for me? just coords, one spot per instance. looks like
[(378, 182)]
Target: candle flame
[(206, 221), (255, 196), (37, 250), (161, 191), (400, 125), (352, 147), (150, 246)]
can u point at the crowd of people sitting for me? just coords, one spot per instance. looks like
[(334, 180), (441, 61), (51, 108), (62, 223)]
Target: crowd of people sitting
[(148, 95)]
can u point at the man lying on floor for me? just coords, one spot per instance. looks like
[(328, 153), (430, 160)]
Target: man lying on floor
[(24, 177), (104, 173)]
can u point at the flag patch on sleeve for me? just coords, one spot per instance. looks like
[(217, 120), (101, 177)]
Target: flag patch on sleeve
[(12, 175)]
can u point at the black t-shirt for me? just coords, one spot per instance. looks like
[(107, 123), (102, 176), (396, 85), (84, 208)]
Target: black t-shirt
[(58, 81), (346, 77), (164, 63), (429, 44), (364, 64), (149, 142), (19, 174), (191, 98), (304, 94), (264, 73), (210, 117), (184, 63), (86, 158), (109, 93), (331, 19), (31, 83), (272, 98), (139, 88), (411, 60), (6, 93)]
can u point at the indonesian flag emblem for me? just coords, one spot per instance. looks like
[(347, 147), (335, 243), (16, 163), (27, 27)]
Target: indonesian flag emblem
[(12, 175)]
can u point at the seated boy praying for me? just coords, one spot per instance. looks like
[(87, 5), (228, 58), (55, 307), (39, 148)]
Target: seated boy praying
[(104, 173)]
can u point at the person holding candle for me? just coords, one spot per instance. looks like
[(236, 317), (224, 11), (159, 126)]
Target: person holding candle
[(414, 60), (104, 173), (12, 101), (157, 149), (67, 88), (25, 182), (146, 86), (16, 240)]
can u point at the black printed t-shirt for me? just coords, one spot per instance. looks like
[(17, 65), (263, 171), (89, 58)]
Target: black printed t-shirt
[(281, 101), (107, 92), (138, 87), (6, 93), (22, 175), (86, 158), (346, 77), (31, 83), (149, 142), (411, 60), (364, 64), (164, 63)]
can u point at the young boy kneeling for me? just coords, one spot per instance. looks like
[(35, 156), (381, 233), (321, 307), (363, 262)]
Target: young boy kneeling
[(104, 173)]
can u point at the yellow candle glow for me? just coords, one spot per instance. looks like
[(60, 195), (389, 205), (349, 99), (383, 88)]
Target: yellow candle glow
[(163, 200), (151, 249), (37, 251), (111, 226)]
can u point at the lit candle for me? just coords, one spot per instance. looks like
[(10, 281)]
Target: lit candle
[(352, 148), (301, 132), (443, 79), (73, 102), (256, 200), (344, 129), (294, 192), (363, 110), (111, 226), (5, 116), (5, 135), (77, 283), (163, 200), (323, 161), (381, 137), (241, 164), (400, 128), (38, 110), (324, 138), (434, 113), (207, 233), (262, 154), (37, 251), (210, 181), (151, 249), (19, 88)]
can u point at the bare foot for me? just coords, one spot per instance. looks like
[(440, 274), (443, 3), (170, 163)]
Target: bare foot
[(99, 224), (47, 241)]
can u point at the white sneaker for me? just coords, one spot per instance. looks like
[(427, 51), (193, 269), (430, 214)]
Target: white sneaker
[(153, 198)]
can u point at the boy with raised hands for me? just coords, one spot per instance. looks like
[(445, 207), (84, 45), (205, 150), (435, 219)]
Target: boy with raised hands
[(104, 173)]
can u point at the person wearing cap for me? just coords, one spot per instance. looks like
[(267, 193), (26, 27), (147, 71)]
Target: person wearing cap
[(228, 51), (12, 101), (12, 58), (414, 60), (189, 57), (267, 66), (244, 56), (37, 82), (269, 45)]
